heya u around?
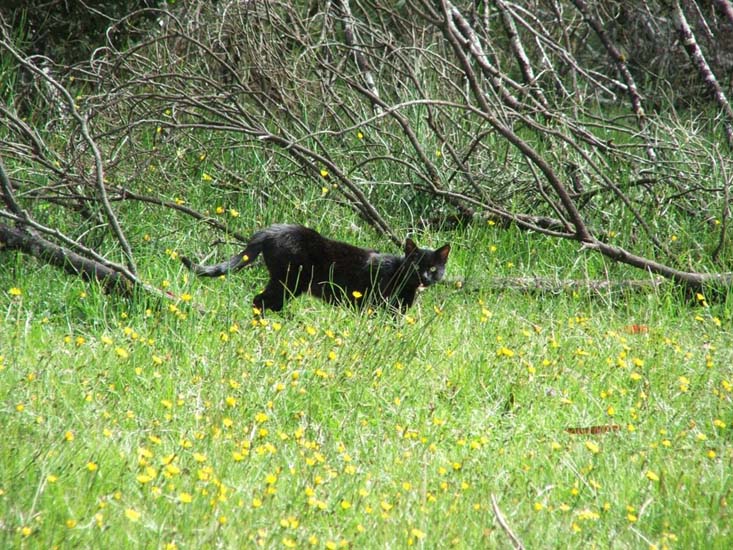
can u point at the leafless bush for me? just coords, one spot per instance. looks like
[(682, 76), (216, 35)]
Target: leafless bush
[(535, 114)]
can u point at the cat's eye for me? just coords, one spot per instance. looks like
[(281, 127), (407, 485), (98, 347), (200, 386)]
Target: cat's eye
[(433, 269)]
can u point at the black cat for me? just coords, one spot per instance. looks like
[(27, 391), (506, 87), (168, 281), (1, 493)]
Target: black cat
[(301, 260)]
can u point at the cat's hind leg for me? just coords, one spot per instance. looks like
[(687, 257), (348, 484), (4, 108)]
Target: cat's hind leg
[(272, 298), (282, 286), (278, 291)]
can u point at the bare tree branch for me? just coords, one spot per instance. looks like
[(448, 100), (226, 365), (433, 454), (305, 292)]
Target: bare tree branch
[(75, 264), (701, 65), (84, 128), (620, 60), (726, 6)]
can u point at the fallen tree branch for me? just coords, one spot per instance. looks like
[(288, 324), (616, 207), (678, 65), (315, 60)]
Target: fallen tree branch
[(30, 226), (34, 245), (556, 286), (691, 280)]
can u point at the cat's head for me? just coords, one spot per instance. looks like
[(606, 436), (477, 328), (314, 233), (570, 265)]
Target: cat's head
[(429, 265)]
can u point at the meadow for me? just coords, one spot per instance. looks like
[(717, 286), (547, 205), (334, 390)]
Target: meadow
[(576, 419), (560, 415)]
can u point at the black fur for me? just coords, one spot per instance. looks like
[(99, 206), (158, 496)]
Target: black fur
[(301, 260)]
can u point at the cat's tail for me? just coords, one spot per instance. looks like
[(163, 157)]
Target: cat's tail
[(233, 264)]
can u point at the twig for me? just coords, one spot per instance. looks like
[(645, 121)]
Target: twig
[(516, 543), (38, 247), (361, 60), (21, 217), (519, 53), (725, 213), (620, 60), (126, 194), (8, 195)]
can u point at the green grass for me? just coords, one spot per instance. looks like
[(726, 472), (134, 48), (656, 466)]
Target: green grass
[(139, 424), (135, 424)]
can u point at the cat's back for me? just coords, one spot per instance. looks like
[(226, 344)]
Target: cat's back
[(301, 238), (286, 231), (340, 252), (288, 237)]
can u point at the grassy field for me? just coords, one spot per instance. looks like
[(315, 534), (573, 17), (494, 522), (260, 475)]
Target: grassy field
[(485, 417), (583, 419)]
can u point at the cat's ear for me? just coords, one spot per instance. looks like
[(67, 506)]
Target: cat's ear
[(410, 246), (442, 253)]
